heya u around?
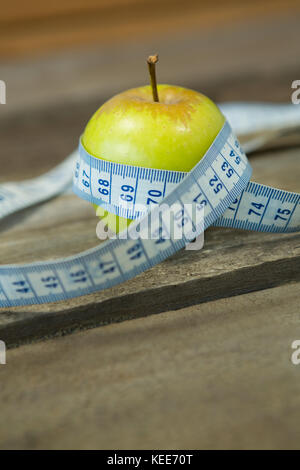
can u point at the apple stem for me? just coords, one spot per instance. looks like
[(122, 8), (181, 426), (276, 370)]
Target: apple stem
[(151, 61)]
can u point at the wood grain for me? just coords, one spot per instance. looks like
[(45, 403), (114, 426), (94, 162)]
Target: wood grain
[(212, 376), (40, 27)]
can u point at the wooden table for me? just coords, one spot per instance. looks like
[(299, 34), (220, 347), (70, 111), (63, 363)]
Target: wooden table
[(212, 368)]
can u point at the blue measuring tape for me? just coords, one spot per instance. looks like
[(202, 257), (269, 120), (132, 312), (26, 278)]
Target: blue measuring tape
[(219, 183)]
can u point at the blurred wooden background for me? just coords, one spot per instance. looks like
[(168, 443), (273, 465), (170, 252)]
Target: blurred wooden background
[(35, 27)]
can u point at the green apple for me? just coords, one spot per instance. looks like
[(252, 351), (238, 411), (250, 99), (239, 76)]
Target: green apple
[(172, 134)]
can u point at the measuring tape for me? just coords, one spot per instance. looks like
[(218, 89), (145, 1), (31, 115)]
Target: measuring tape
[(219, 183)]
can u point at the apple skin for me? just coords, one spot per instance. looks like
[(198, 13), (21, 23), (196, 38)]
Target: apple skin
[(172, 134)]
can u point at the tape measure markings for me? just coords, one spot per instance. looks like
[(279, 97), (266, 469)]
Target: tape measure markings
[(131, 175), (286, 214), (119, 260), (120, 176), (220, 181), (245, 118)]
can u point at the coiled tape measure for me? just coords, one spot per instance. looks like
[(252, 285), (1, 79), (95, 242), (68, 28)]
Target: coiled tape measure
[(219, 182)]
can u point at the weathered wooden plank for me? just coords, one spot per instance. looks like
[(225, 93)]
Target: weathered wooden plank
[(232, 262), (216, 375)]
